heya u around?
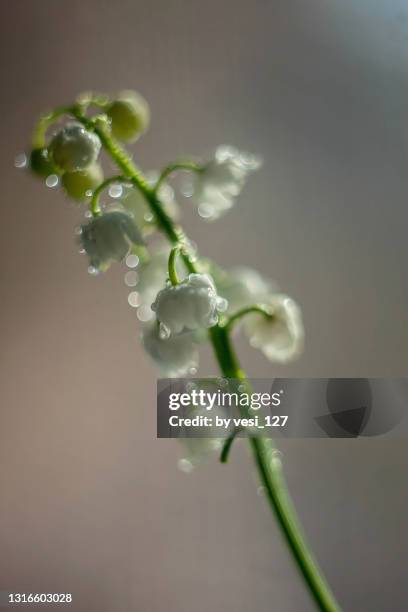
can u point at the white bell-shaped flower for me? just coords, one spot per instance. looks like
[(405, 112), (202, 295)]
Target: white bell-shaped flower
[(280, 337), (108, 238), (221, 180), (243, 286), (74, 148), (175, 356), (190, 305)]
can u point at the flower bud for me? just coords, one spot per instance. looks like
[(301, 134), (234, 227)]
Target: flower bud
[(190, 305), (280, 337), (130, 116), (175, 356), (109, 238), (74, 147), (79, 184), (41, 163)]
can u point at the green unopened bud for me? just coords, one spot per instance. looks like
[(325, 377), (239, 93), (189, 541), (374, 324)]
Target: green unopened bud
[(78, 185), (74, 148), (130, 116), (41, 163)]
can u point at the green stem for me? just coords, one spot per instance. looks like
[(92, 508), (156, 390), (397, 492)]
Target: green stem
[(179, 165), (257, 308), (94, 205), (38, 137), (175, 251), (269, 470), (228, 444)]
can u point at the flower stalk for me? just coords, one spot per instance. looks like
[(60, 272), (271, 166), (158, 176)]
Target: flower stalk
[(268, 465)]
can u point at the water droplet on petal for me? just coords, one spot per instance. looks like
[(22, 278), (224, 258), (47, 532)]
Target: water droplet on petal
[(187, 188), (144, 314), (20, 160), (132, 261), (185, 465), (134, 299), (148, 217), (131, 278), (223, 382), (164, 332), (222, 304), (192, 371), (115, 191), (52, 180), (205, 211), (93, 271)]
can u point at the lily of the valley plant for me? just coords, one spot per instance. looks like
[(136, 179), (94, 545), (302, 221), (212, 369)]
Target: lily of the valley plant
[(181, 299)]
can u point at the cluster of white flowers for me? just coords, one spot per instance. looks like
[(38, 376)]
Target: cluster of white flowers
[(175, 315)]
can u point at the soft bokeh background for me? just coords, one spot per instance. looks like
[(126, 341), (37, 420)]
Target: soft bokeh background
[(91, 503)]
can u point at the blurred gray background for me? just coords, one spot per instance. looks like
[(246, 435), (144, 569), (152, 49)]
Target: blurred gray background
[(91, 503)]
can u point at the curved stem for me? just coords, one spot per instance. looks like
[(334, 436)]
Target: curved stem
[(173, 167), (257, 308), (94, 204), (269, 470), (173, 276), (225, 451), (38, 137)]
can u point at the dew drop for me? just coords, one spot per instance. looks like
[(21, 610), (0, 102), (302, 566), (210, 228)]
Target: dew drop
[(222, 304), (20, 161), (144, 314), (131, 278), (187, 188), (205, 211), (115, 191), (148, 217), (276, 459), (93, 271), (78, 230), (88, 214), (134, 299), (52, 180), (132, 261), (89, 193), (164, 332), (192, 371), (185, 465)]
